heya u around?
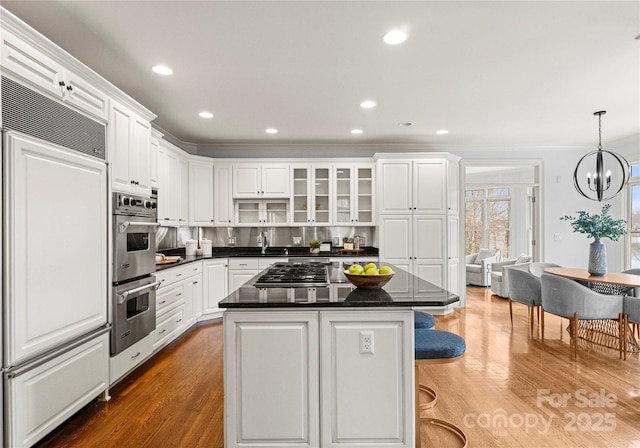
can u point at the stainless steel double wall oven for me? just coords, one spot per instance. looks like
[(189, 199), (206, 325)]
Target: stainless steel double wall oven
[(135, 222)]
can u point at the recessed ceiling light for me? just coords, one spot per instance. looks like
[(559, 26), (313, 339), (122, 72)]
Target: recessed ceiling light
[(271, 131), (162, 70), (394, 37), (368, 104), (205, 115), (356, 131), (405, 124), (442, 132)]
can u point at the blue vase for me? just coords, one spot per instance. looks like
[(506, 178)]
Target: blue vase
[(597, 258)]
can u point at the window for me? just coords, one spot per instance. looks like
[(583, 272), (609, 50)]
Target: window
[(634, 217), (488, 219)]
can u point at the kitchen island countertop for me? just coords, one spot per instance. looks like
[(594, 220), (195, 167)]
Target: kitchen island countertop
[(404, 290)]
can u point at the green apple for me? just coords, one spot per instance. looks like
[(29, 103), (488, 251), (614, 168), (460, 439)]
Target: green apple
[(356, 269), (371, 271), (384, 270), (369, 266)]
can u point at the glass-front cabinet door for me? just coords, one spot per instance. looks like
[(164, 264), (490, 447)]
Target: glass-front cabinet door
[(311, 197), (354, 200), (364, 195), (252, 212), (343, 195)]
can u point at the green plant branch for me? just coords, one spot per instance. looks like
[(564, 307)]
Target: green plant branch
[(598, 225)]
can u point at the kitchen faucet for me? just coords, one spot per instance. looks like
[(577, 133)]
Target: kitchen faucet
[(264, 242)]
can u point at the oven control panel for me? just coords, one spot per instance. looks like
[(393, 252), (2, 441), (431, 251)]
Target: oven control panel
[(129, 204)]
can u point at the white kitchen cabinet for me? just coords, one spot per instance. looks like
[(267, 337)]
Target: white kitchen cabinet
[(267, 180), (353, 194), (178, 301), (43, 397), (415, 240), (169, 186), (42, 72), (311, 193), (412, 186), (183, 215), (131, 357), (130, 151), (154, 147), (238, 277), (271, 365), (366, 398), (223, 198), (216, 286), (201, 193), (243, 269), (419, 221), (316, 387), (261, 212)]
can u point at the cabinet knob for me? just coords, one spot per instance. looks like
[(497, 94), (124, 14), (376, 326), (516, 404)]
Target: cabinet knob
[(69, 88), (61, 84)]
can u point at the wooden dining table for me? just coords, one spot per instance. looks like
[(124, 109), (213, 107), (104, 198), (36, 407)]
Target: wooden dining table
[(604, 332)]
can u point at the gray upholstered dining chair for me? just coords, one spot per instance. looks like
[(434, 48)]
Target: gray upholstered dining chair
[(524, 287), (631, 308), (567, 298)]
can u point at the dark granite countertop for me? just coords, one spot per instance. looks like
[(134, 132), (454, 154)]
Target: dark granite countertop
[(403, 290), (256, 252)]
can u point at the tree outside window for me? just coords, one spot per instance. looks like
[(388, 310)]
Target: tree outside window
[(488, 219)]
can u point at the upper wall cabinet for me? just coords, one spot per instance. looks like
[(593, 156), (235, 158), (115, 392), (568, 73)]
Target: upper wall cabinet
[(201, 194), (130, 151), (267, 180), (412, 186), (311, 194), (223, 200), (47, 75), (353, 194)]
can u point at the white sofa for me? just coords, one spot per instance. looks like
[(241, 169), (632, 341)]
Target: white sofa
[(500, 274), (478, 266)]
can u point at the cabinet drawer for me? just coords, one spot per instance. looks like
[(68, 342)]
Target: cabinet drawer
[(169, 298), (168, 276), (244, 263), (130, 358), (41, 398), (168, 326)]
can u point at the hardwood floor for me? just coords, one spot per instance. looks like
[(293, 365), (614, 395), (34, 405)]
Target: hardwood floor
[(509, 390)]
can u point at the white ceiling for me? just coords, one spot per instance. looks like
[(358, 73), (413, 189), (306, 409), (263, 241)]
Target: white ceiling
[(496, 74)]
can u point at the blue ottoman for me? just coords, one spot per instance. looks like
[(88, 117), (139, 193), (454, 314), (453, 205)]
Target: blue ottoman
[(437, 347), (423, 320)]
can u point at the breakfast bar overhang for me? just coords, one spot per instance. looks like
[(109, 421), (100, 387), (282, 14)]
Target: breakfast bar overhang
[(311, 367)]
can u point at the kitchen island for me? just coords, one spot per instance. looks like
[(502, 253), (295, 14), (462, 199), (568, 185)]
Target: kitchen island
[(307, 368)]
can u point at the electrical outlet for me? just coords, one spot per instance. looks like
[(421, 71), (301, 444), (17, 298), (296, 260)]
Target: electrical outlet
[(366, 342)]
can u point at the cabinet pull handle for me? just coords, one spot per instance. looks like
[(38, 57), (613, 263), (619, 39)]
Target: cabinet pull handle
[(163, 302), (70, 88), (135, 356), (163, 330), (179, 320), (179, 294), (195, 283), (61, 84), (178, 275)]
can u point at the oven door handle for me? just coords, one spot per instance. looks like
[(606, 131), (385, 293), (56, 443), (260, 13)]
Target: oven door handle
[(126, 224), (123, 297)]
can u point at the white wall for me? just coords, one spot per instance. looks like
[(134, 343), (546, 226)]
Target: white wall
[(561, 198)]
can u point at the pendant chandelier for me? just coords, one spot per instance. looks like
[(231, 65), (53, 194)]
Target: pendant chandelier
[(601, 174)]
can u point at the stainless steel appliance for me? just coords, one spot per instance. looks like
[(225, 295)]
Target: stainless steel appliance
[(303, 275), (135, 221)]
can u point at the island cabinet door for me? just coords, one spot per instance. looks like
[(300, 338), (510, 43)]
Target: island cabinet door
[(366, 362), (271, 379)]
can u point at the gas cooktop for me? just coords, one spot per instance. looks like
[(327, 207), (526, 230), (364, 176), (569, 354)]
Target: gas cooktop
[(283, 275)]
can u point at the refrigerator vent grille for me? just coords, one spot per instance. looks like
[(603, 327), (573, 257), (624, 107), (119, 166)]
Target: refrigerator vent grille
[(34, 114)]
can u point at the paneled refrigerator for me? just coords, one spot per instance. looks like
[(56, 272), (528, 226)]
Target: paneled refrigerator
[(54, 264)]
